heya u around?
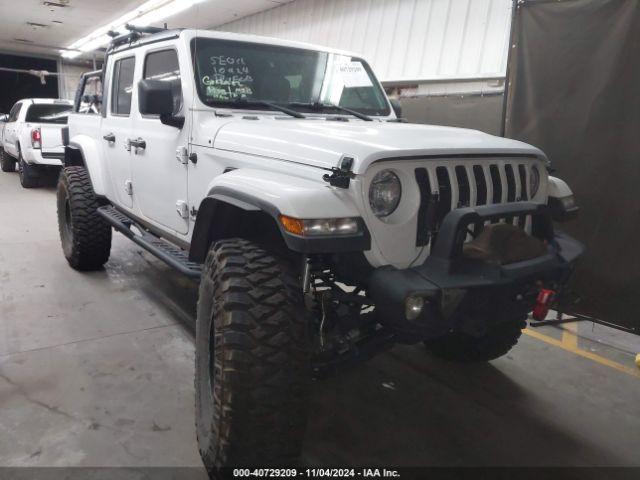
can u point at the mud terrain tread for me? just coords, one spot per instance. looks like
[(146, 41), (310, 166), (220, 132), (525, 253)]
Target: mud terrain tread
[(7, 164), (459, 347), (29, 177), (91, 234), (261, 369)]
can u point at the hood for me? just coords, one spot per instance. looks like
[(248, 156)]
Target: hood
[(323, 143)]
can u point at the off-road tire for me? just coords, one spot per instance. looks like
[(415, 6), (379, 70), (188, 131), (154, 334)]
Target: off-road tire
[(84, 234), (29, 175), (7, 163), (461, 347), (252, 359)]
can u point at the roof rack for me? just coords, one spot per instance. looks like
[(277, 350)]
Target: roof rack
[(135, 33), (148, 30)]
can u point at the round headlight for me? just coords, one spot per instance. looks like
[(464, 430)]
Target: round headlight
[(534, 181), (385, 193)]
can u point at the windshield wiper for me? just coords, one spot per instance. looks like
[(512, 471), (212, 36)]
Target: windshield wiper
[(325, 106), (275, 106)]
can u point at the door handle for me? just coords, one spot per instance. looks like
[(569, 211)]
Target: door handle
[(109, 137), (138, 143)]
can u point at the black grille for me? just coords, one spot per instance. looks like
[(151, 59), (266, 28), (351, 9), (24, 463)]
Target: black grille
[(467, 185)]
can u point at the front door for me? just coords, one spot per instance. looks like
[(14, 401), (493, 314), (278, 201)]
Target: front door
[(159, 174), (116, 128)]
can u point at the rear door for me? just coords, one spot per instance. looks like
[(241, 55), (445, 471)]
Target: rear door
[(116, 127), (159, 176)]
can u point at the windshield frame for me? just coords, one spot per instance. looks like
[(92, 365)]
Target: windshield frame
[(317, 90)]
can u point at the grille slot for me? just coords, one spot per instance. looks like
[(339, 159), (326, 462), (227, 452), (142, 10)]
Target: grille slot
[(422, 177), (463, 186), (444, 193), (497, 184), (522, 170), (481, 185), (460, 184)]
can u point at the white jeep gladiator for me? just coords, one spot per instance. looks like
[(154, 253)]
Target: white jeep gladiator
[(32, 138), (322, 228)]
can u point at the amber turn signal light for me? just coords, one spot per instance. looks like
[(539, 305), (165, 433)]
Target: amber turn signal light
[(316, 227), (292, 225)]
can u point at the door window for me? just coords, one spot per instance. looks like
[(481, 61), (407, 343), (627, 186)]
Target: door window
[(122, 86), (163, 66), (15, 111)]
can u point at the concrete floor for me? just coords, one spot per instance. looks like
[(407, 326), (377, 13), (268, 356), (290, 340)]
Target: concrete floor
[(96, 369)]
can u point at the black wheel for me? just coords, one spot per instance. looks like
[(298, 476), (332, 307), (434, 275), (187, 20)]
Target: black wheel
[(7, 163), (252, 366), (29, 175), (85, 235), (460, 347)]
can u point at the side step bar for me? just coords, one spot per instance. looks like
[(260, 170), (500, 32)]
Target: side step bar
[(170, 254)]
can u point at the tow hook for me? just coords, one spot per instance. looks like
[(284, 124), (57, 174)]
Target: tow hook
[(543, 302)]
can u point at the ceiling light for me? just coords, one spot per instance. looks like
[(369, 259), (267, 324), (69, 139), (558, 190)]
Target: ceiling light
[(59, 4), (149, 12)]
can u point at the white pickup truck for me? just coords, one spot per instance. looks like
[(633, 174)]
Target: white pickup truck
[(32, 138)]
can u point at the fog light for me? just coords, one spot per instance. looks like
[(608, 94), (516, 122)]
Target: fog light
[(413, 307)]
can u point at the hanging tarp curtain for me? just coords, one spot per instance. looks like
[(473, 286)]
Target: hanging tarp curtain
[(574, 91)]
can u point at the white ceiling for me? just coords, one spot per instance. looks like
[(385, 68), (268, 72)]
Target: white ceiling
[(61, 26)]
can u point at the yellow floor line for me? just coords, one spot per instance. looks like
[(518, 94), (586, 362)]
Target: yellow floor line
[(570, 346), (569, 335)]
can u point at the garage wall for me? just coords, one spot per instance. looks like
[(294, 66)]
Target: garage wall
[(69, 78), (405, 40), (480, 112)]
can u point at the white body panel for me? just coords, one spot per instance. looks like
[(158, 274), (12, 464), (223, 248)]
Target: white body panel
[(322, 143), (281, 161)]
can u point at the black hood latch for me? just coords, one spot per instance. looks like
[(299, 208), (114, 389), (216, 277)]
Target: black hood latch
[(341, 177)]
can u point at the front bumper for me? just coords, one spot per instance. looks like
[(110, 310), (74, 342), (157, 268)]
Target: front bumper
[(466, 294)]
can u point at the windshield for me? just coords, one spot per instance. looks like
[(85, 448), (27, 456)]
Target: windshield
[(45, 113), (233, 74)]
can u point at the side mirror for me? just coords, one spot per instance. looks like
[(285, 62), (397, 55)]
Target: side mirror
[(397, 107), (4, 118), (155, 97)]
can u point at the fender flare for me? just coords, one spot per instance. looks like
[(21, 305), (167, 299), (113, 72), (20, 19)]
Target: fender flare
[(85, 148), (561, 200), (558, 188), (223, 196)]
